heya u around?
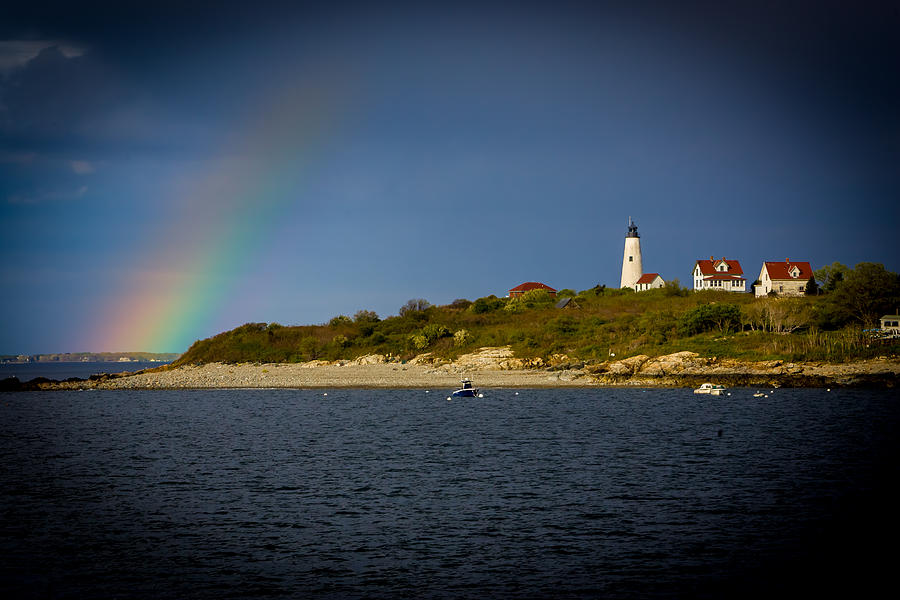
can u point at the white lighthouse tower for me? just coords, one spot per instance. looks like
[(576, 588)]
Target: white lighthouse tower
[(632, 265)]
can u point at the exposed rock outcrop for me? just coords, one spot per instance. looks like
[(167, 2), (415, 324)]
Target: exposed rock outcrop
[(495, 359), (688, 369)]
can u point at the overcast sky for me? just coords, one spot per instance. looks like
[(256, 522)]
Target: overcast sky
[(175, 170)]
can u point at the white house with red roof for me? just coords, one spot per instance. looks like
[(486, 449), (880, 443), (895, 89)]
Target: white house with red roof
[(788, 278), (722, 274), (648, 281), (528, 286)]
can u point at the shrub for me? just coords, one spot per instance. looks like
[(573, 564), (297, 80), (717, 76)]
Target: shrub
[(461, 337), (779, 315), (708, 317), (533, 297), (418, 341), (434, 332), (461, 303), (673, 288), (366, 316), (309, 347), (340, 320), (514, 306), (597, 290), (487, 304), (564, 325)]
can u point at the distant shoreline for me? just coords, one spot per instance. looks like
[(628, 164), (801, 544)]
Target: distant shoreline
[(491, 368), (88, 357)]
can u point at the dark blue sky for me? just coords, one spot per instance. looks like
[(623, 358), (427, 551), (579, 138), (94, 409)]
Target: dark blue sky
[(209, 165)]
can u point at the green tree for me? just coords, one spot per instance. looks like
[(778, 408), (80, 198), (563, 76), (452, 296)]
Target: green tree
[(866, 292), (414, 305), (830, 276), (812, 288)]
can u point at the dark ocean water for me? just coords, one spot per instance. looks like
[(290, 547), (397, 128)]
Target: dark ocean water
[(64, 370), (402, 494)]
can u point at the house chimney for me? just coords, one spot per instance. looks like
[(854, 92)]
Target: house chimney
[(787, 260), (711, 258)]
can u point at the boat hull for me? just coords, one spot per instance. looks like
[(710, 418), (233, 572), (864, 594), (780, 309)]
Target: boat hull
[(712, 390), (465, 393)]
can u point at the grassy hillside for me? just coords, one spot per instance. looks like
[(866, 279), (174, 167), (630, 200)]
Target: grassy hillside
[(604, 322)]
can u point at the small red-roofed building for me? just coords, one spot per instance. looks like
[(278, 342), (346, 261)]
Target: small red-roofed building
[(719, 274), (788, 278), (648, 281), (528, 286)]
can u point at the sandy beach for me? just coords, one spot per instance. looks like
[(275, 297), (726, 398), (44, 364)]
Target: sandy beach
[(499, 368)]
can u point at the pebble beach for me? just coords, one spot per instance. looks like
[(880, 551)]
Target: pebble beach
[(218, 375)]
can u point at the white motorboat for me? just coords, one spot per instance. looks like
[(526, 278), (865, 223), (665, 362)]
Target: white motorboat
[(710, 388)]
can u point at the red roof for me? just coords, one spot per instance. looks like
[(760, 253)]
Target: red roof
[(781, 270), (532, 285), (723, 276), (647, 278), (708, 267)]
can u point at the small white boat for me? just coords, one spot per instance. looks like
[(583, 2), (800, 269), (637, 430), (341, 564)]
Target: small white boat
[(711, 389), (758, 395)]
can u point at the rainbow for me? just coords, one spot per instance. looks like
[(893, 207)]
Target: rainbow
[(204, 251)]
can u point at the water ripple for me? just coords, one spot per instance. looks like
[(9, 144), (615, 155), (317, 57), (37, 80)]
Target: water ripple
[(557, 493)]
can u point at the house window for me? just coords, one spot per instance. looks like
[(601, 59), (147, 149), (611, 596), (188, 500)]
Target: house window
[(630, 258)]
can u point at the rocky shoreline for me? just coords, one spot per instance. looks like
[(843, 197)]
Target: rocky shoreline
[(492, 368)]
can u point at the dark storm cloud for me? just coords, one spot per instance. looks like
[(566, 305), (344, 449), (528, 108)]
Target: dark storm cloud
[(53, 96), (759, 129)]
